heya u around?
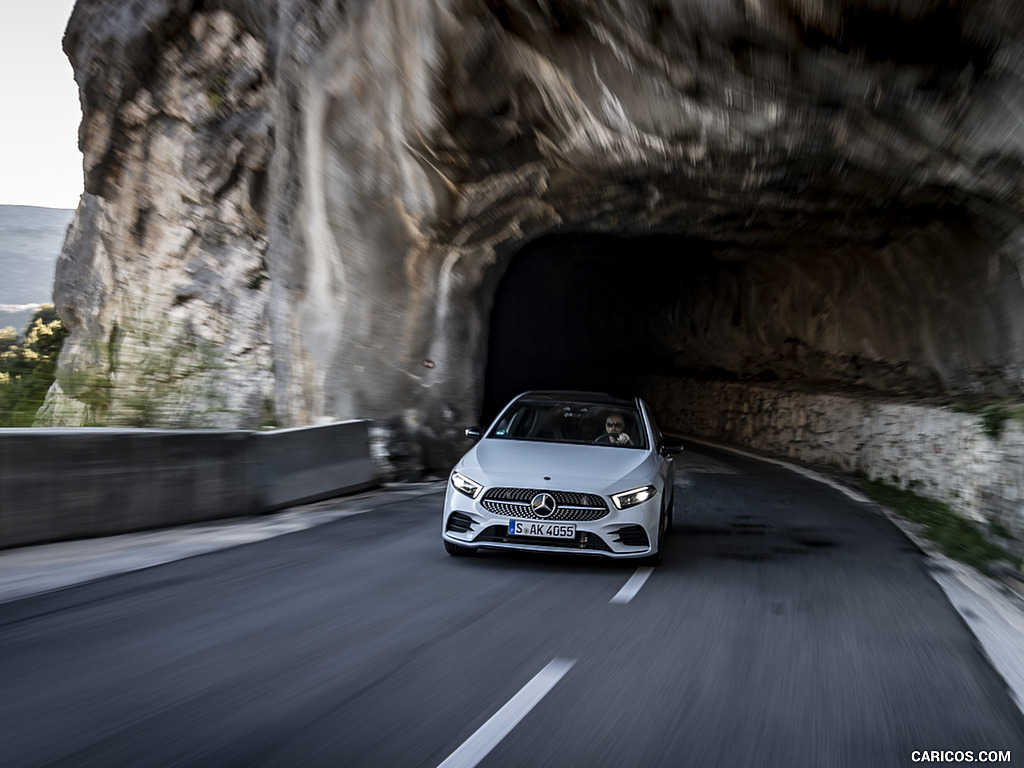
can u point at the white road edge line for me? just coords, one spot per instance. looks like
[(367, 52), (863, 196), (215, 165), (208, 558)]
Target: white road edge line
[(808, 473), (488, 735), (631, 587), (996, 643)]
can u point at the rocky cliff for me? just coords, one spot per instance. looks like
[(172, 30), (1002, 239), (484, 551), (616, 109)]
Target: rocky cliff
[(162, 278), (305, 211)]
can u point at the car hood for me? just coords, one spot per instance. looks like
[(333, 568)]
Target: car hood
[(522, 463)]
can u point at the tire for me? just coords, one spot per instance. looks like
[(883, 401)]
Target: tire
[(455, 550), (671, 525)]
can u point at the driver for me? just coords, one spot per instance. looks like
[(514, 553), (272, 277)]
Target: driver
[(614, 423)]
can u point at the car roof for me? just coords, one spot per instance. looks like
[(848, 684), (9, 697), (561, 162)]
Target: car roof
[(597, 398)]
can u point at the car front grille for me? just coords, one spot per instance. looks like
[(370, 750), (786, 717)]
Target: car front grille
[(515, 502)]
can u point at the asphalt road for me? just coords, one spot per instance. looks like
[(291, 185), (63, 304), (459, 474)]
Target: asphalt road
[(788, 626)]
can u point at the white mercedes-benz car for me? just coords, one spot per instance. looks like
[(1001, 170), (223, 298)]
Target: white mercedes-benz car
[(564, 472)]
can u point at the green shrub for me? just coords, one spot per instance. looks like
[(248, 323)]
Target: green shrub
[(993, 420), (955, 535), (27, 367)]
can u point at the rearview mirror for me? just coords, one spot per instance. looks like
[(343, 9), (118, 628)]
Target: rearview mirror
[(670, 446), (473, 432)]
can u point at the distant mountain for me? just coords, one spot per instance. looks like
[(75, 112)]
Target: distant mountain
[(30, 242)]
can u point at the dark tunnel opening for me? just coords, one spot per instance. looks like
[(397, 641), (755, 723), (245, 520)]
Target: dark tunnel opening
[(586, 311), (929, 311)]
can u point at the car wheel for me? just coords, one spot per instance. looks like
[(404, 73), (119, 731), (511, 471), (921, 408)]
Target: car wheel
[(455, 550), (671, 514)]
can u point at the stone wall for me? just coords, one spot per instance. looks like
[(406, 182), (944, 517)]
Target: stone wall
[(935, 451)]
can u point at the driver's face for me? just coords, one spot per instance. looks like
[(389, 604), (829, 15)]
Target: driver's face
[(614, 424)]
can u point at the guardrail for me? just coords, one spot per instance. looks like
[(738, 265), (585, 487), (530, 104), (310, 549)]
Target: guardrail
[(59, 484)]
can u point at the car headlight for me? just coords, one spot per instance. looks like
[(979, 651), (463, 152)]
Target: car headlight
[(628, 499), (463, 484)]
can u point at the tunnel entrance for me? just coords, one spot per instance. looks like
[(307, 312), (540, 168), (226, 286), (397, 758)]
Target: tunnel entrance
[(929, 310), (586, 311)]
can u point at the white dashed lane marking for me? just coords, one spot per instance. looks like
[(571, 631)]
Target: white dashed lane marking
[(487, 737), (631, 587)]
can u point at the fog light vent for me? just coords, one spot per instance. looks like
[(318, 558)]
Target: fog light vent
[(459, 522), (633, 536)]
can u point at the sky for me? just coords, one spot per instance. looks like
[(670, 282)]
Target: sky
[(39, 111)]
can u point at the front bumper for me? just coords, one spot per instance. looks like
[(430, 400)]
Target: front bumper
[(624, 533)]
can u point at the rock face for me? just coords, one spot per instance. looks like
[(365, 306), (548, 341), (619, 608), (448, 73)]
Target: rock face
[(319, 204), (163, 275)]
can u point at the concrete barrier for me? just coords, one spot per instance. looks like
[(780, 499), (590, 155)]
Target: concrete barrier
[(295, 466), (58, 484)]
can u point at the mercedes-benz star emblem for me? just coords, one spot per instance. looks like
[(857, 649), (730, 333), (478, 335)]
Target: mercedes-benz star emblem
[(543, 505)]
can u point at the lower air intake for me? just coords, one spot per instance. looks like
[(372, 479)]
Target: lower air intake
[(633, 536), (459, 523)]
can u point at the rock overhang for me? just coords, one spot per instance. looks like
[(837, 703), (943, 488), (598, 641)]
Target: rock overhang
[(845, 176), (851, 171)]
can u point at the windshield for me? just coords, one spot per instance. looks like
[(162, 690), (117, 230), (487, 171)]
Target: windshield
[(571, 422)]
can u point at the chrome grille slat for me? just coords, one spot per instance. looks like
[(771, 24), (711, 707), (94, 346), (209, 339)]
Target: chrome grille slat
[(572, 505)]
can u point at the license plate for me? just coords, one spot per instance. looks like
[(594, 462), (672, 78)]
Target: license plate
[(535, 528)]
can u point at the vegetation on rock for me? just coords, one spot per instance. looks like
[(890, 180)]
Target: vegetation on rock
[(27, 366), (955, 535)]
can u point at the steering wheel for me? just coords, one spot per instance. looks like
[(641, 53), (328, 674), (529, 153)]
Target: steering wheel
[(607, 438)]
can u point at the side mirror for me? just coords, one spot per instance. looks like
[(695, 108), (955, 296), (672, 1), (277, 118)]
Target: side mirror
[(670, 446), (473, 432)]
